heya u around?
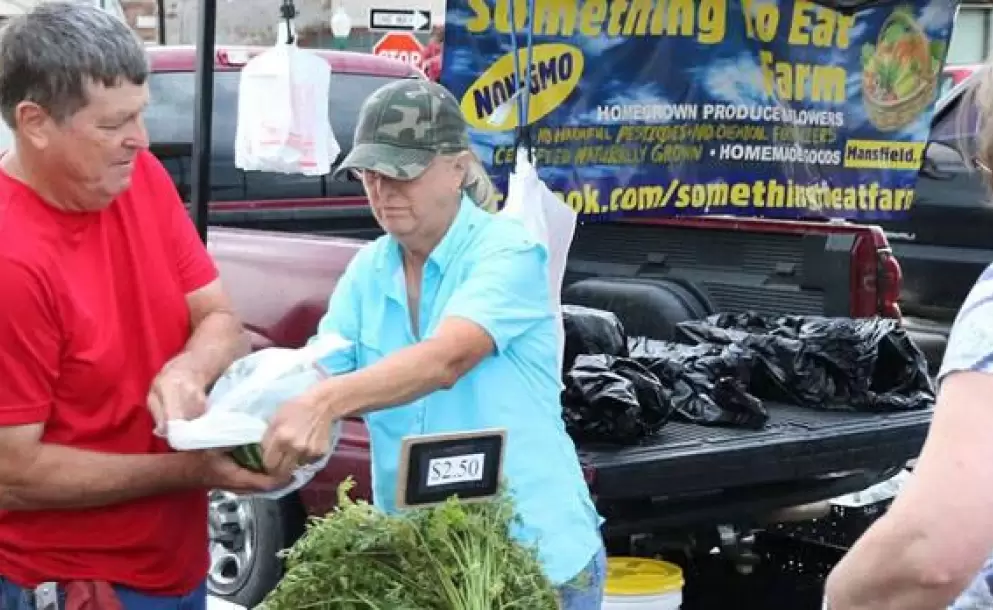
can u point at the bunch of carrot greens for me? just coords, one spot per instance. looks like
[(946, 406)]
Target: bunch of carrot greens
[(453, 556)]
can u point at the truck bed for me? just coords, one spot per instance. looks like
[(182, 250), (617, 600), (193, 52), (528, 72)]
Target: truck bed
[(280, 284), (797, 444)]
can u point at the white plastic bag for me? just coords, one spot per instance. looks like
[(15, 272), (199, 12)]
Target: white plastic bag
[(550, 221), (249, 393), (283, 114), (880, 492), (216, 603)]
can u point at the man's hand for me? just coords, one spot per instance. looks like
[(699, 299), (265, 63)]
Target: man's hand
[(217, 340), (221, 472), (299, 433), (177, 393)]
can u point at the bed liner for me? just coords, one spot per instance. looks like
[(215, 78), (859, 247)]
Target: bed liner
[(798, 444)]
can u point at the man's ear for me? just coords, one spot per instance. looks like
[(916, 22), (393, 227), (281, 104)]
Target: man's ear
[(33, 123)]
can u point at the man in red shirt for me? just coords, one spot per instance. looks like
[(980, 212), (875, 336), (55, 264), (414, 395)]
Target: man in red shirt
[(432, 55), (112, 321)]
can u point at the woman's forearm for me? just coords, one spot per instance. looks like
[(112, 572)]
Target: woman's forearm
[(397, 379), (437, 363), (891, 568)]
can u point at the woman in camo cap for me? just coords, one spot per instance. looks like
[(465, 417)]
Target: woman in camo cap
[(453, 329), (410, 132)]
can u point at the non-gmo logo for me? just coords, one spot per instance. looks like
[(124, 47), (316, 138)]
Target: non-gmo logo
[(555, 71)]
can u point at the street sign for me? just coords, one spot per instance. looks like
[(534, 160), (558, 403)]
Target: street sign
[(400, 45), (406, 20)]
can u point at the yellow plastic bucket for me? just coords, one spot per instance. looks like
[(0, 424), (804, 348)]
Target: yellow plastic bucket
[(642, 584)]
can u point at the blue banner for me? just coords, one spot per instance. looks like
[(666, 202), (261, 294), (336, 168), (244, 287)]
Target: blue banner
[(770, 108)]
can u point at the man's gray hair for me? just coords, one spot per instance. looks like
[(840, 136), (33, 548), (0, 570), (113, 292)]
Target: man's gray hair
[(49, 55)]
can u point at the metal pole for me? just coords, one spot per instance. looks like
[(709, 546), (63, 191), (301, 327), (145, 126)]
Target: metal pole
[(203, 116), (160, 7)]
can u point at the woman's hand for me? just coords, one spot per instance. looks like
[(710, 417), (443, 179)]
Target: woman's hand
[(299, 434)]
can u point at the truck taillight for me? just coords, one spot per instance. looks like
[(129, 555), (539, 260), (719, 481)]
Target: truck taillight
[(876, 280), (864, 279), (890, 284)]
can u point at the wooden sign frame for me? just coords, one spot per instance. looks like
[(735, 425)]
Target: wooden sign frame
[(449, 450)]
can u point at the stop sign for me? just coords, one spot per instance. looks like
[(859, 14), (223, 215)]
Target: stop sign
[(400, 45)]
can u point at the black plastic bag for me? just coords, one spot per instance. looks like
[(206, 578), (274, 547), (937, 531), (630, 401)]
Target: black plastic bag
[(613, 400), (830, 363), (591, 331), (707, 384)]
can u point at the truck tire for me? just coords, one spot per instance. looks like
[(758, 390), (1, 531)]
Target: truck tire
[(647, 307), (245, 535)]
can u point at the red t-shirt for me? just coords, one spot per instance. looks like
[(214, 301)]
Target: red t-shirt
[(92, 306), (432, 68), (432, 61)]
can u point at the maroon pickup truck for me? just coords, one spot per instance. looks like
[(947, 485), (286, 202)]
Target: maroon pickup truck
[(674, 488), (682, 483)]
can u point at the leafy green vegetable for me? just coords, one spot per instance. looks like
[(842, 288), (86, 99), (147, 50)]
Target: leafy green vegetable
[(454, 556), (937, 48), (868, 52), (888, 71), (893, 33)]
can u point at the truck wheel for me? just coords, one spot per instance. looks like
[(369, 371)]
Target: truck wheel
[(245, 535)]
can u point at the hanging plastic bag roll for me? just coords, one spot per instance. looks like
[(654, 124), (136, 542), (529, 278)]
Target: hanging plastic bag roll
[(249, 393), (284, 120), (549, 221)]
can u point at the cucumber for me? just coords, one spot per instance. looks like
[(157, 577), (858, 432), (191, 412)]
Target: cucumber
[(248, 457)]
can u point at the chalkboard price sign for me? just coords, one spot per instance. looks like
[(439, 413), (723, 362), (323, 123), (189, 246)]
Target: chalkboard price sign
[(435, 467)]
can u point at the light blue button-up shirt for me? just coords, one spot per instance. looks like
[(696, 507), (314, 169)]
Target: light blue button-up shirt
[(488, 270)]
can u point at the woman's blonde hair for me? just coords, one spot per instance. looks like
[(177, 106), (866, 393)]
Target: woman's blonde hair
[(478, 185)]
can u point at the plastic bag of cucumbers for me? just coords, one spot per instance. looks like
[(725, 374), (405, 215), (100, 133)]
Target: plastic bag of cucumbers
[(248, 394)]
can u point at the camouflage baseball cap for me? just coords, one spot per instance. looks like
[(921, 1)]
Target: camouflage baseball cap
[(403, 126)]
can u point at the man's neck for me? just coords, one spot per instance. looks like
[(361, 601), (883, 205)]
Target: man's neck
[(47, 190)]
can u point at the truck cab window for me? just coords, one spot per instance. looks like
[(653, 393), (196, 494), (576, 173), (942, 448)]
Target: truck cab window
[(169, 119), (948, 178), (957, 127)]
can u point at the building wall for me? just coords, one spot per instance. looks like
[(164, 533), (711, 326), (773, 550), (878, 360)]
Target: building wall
[(254, 21), (9, 8), (972, 38), (143, 17)]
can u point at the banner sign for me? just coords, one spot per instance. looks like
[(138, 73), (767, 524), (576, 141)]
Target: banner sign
[(688, 107)]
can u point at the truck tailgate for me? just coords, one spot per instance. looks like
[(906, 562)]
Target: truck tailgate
[(804, 271), (797, 443)]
